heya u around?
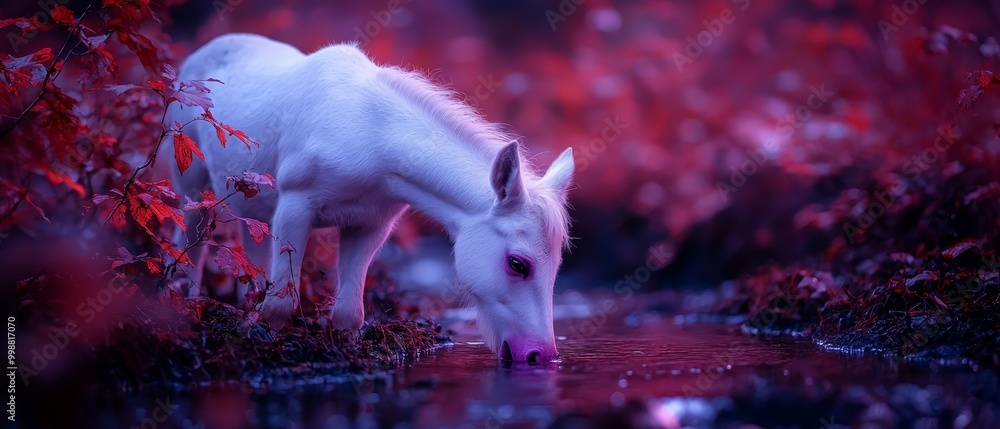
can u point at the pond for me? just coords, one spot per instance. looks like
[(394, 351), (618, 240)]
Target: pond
[(656, 374)]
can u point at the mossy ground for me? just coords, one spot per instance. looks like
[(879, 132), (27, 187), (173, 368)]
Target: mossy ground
[(921, 283), (210, 341), (141, 341)]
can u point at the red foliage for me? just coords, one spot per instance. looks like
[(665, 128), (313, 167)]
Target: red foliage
[(980, 79), (93, 136), (26, 71), (184, 149), (249, 184)]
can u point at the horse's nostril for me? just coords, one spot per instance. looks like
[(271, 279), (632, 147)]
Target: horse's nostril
[(505, 353), (534, 356)]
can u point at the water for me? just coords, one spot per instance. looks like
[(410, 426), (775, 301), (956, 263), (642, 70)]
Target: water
[(662, 373)]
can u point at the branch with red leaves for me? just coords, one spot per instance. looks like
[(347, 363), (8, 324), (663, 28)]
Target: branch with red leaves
[(23, 71), (72, 135)]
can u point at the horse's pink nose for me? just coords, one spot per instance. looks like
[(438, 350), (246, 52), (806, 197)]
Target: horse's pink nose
[(526, 349)]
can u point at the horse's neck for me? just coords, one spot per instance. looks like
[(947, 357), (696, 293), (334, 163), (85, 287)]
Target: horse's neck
[(443, 179)]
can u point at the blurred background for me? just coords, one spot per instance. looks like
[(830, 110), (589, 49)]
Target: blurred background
[(725, 133), (722, 131)]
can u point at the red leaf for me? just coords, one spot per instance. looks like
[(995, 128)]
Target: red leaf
[(26, 71), (234, 259), (285, 291), (249, 184), (118, 216), (968, 97), (146, 203), (241, 135), (120, 89), (193, 93), (221, 130), (184, 148), (37, 209), (124, 257), (156, 85), (169, 72), (62, 15), (175, 253), (100, 198), (141, 214), (20, 22), (93, 42), (207, 116), (980, 79), (221, 135), (256, 228), (207, 200), (154, 265), (983, 78), (58, 178)]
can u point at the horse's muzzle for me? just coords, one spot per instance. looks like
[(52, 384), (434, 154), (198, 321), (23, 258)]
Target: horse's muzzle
[(519, 348)]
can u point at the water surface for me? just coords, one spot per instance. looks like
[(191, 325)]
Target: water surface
[(675, 374)]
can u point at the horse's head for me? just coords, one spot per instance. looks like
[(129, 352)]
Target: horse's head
[(509, 257)]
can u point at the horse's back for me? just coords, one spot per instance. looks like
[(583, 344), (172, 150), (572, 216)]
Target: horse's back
[(283, 99), (236, 52)]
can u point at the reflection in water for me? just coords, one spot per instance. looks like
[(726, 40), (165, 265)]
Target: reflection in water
[(615, 366), (462, 385)]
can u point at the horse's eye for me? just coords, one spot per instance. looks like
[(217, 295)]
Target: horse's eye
[(519, 267)]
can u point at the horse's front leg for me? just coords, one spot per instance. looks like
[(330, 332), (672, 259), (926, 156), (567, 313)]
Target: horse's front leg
[(357, 248), (290, 226)]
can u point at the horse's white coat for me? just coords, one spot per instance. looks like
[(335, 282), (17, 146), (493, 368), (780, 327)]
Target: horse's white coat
[(353, 144)]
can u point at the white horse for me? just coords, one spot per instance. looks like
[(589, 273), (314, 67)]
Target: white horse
[(352, 144)]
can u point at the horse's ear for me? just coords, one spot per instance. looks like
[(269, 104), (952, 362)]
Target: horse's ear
[(506, 176), (560, 173)]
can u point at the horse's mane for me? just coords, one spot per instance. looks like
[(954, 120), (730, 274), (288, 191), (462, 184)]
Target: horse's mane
[(470, 128)]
